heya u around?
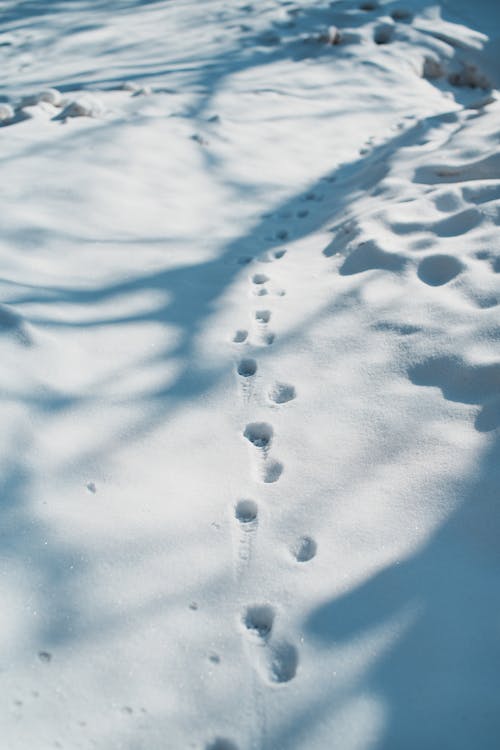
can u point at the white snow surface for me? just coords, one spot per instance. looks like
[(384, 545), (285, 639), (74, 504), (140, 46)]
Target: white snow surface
[(250, 381)]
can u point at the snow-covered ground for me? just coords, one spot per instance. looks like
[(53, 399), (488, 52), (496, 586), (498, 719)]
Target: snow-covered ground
[(250, 379)]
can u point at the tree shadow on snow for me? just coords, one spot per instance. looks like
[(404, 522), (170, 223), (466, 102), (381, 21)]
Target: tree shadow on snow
[(437, 681), (436, 677)]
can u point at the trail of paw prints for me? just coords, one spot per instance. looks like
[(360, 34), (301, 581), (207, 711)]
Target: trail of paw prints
[(275, 659)]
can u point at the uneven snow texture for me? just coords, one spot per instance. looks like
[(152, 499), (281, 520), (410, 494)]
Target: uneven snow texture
[(250, 382)]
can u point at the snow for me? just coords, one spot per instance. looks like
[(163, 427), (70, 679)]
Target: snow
[(250, 374)]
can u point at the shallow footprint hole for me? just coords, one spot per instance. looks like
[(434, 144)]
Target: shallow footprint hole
[(263, 316), (246, 511), (304, 549), (272, 472), (259, 619), (247, 368), (259, 434), (284, 662), (240, 336), (260, 278), (281, 393)]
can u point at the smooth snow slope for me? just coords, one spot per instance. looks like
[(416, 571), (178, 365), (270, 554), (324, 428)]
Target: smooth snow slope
[(250, 382)]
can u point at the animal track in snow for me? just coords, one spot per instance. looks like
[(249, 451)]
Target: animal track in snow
[(283, 662), (304, 549), (259, 278), (260, 434), (278, 254), (246, 512), (281, 393), (276, 661), (263, 316), (267, 338), (437, 270), (247, 367), (240, 336), (272, 471), (258, 619)]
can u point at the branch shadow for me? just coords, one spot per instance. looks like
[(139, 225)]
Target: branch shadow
[(438, 681)]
